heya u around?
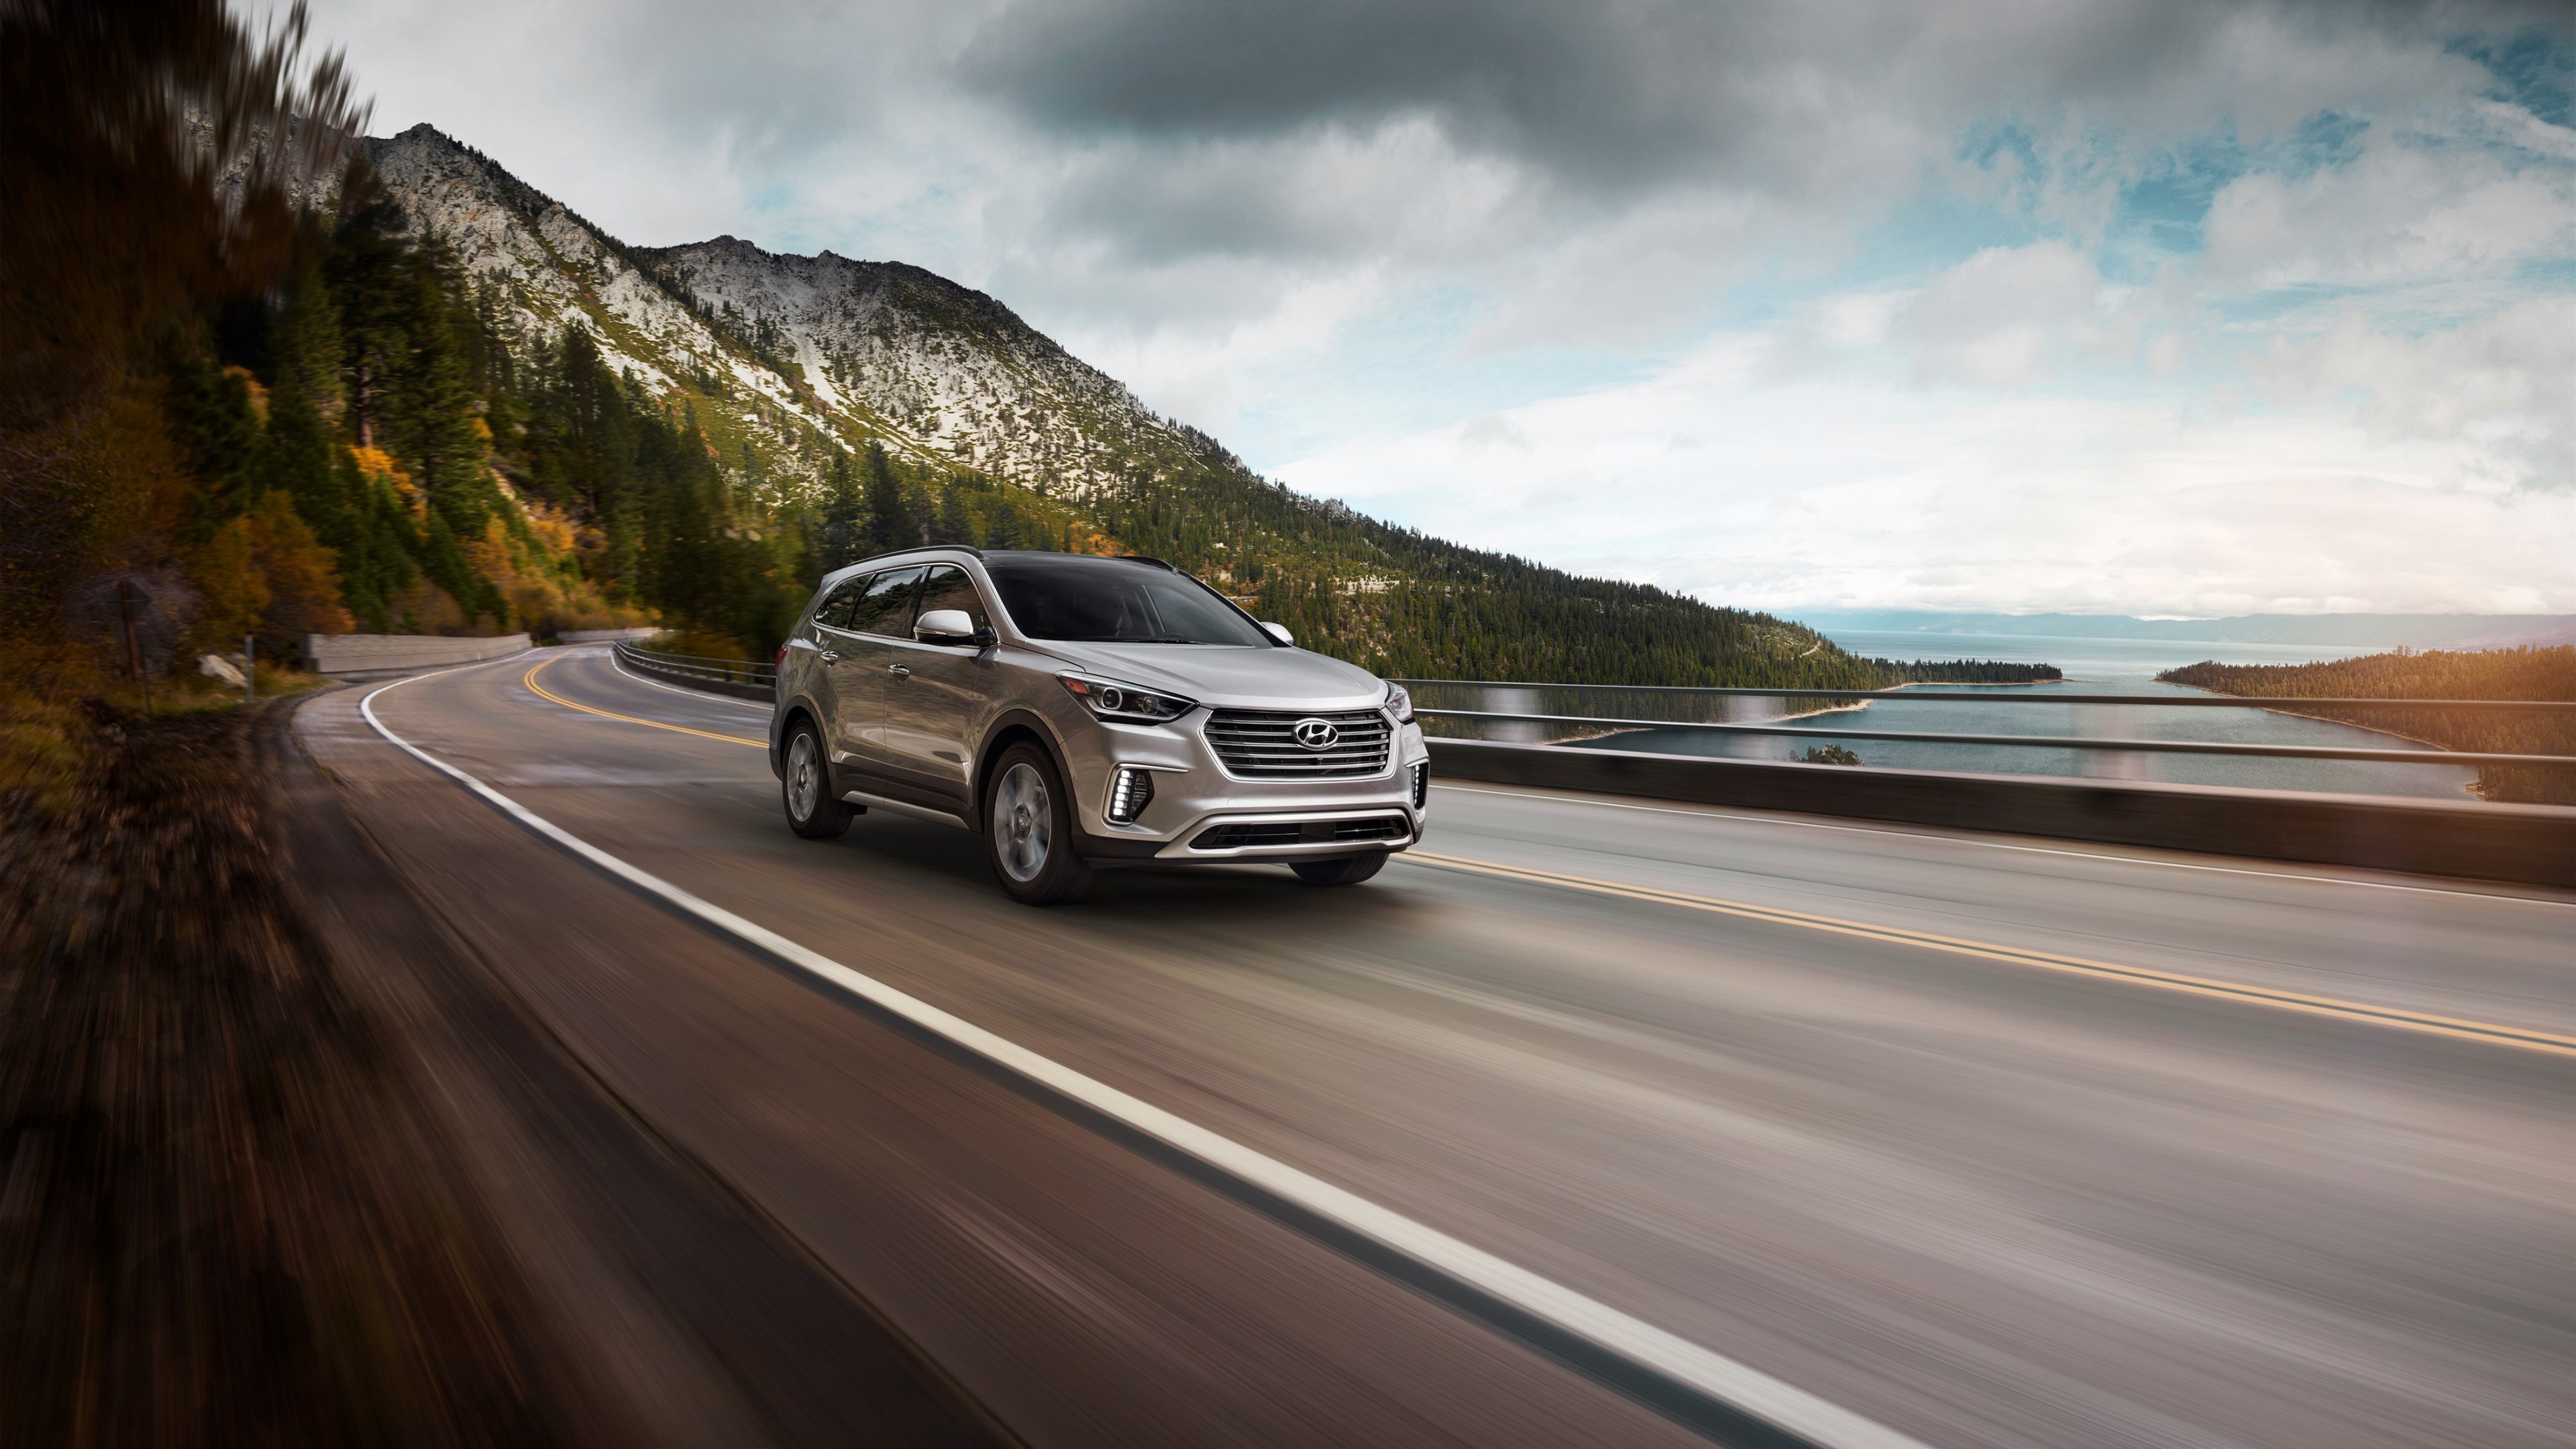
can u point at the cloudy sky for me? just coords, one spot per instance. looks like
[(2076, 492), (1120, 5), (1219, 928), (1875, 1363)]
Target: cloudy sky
[(2150, 306)]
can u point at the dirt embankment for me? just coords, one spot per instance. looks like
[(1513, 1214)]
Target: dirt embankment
[(225, 1215)]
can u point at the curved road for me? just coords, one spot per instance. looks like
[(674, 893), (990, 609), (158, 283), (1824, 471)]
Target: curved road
[(1983, 1141)]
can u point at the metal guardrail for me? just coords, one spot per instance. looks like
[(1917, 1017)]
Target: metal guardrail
[(1997, 694), (748, 678), (1428, 691), (2037, 742), (697, 666)]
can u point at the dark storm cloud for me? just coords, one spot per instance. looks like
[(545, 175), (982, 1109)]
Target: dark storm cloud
[(1625, 95)]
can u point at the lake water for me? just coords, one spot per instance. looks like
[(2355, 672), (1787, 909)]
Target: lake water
[(2092, 666)]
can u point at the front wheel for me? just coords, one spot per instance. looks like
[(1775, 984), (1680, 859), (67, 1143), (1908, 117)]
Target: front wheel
[(1028, 828), (806, 788), (1349, 870)]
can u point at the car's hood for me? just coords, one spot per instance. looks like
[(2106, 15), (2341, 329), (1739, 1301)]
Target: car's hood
[(1232, 677)]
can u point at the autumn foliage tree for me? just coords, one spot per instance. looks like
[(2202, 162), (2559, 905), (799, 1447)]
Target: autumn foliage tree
[(158, 161)]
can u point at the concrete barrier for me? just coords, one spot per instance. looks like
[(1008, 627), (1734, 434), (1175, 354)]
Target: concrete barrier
[(605, 636), (347, 656), (2530, 844)]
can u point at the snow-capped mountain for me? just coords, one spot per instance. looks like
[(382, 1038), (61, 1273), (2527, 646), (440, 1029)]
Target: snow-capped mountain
[(941, 363), (799, 351)]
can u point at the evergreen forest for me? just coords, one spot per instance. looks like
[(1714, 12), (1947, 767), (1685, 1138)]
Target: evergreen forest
[(2532, 673)]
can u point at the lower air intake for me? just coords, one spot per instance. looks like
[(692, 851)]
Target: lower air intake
[(1266, 835)]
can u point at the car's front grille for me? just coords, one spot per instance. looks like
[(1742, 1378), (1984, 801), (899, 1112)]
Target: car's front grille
[(1262, 744), (1266, 834)]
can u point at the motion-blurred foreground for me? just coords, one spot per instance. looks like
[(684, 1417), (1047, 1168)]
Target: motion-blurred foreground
[(475, 1057)]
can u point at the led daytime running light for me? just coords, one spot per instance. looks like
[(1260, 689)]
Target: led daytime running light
[(1130, 791)]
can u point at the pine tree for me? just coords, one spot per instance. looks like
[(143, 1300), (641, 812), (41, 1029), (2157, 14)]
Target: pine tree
[(889, 513), (843, 536), (954, 524)]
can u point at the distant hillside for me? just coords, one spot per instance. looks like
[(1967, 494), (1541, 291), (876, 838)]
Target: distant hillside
[(791, 367), (2524, 673), (2413, 631)]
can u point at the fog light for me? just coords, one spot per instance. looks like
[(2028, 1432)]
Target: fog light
[(1130, 791), (1421, 784)]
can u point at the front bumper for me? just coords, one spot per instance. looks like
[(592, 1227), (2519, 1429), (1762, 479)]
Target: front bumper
[(1201, 812)]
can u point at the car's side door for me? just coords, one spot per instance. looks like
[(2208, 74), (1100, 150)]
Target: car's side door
[(879, 617), (814, 655), (935, 694)]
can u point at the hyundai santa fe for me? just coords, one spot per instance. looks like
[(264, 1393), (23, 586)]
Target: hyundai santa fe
[(1080, 712)]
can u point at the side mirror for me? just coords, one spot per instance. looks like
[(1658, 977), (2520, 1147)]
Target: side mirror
[(1280, 633), (947, 626)]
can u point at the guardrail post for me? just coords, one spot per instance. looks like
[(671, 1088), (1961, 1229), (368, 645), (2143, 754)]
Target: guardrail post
[(2120, 724), (1513, 701), (1756, 709)]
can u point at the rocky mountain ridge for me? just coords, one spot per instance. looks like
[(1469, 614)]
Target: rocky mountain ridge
[(796, 354)]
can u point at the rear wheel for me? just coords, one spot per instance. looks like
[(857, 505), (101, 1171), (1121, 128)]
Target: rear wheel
[(806, 787), (1349, 870), (1028, 829)]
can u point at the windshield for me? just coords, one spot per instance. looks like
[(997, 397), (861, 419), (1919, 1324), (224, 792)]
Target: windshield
[(1080, 599)]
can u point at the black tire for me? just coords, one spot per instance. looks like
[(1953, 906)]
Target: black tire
[(1028, 829), (1349, 870), (807, 782)]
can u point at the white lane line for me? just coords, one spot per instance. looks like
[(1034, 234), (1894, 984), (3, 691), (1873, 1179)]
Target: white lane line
[(697, 694), (2376, 885), (1676, 1358)]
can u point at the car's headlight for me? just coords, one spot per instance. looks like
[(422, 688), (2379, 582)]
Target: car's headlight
[(1109, 699), (1399, 704)]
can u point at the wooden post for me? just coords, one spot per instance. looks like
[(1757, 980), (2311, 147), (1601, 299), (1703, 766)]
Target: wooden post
[(133, 654)]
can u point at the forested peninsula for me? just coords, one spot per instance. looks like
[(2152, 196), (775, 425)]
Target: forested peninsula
[(2534, 673)]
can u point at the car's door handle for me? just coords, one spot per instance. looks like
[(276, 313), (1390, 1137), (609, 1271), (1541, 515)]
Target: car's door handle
[(830, 657), (899, 671)]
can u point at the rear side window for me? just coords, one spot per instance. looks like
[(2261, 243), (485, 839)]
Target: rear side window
[(948, 587), (885, 607), (835, 613)]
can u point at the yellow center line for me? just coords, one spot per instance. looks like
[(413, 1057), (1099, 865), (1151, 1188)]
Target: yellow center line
[(2462, 1028), (530, 680)]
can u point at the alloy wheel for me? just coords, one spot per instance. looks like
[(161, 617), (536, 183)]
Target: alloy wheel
[(803, 779), (1021, 822)]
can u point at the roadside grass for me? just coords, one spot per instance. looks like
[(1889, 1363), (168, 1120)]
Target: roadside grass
[(698, 643), (52, 708)]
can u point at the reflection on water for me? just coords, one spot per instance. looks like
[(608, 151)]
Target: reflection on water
[(2093, 666)]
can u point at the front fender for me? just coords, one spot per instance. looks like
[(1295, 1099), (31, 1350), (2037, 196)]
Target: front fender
[(1019, 717)]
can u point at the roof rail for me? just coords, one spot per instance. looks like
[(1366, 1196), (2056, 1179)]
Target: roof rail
[(1112, 557), (925, 548)]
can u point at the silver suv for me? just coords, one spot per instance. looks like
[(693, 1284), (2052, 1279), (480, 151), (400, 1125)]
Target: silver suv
[(1081, 712)]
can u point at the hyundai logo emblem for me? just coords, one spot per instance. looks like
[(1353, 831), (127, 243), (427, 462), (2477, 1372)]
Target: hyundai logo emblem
[(1316, 734)]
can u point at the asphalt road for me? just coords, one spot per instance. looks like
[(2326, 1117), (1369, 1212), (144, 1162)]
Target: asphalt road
[(1988, 1142)]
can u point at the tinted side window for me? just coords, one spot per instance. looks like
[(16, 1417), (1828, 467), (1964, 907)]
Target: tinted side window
[(948, 587), (886, 606), (835, 612)]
